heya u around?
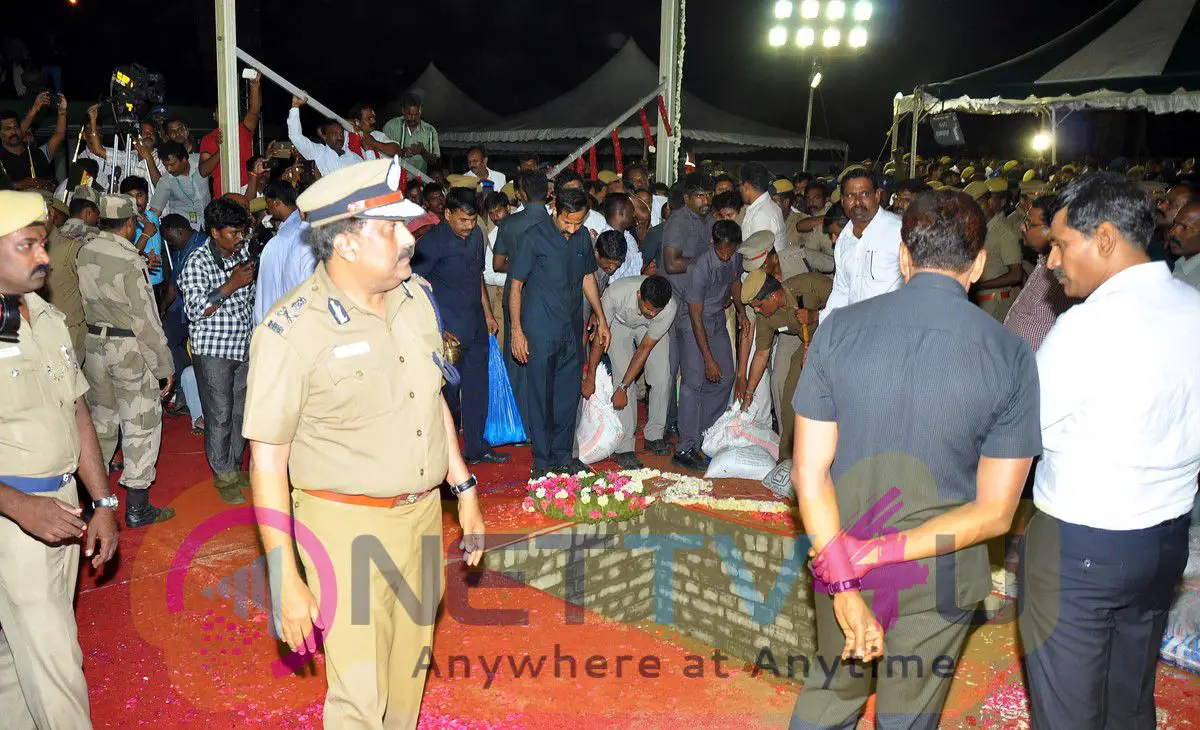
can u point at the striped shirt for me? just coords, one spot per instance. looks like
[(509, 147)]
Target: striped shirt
[(1038, 305)]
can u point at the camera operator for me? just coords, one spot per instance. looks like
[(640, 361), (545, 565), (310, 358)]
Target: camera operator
[(146, 165), (22, 165), (46, 435)]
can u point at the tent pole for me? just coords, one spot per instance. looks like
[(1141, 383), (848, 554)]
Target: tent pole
[(918, 103), (896, 129), (1053, 136), (227, 94), (808, 124), (668, 78)]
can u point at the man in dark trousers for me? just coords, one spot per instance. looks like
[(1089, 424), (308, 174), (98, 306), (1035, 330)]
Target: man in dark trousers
[(916, 423), (552, 274), (532, 190), (451, 257)]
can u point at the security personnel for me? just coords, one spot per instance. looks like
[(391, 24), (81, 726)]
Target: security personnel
[(1000, 283), (46, 436), (127, 354), (62, 285), (550, 279), (345, 392), (450, 257), (788, 309)]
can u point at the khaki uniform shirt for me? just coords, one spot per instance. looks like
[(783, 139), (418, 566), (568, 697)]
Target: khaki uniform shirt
[(62, 285), (115, 285), (620, 302), (359, 398), (1004, 250), (812, 290), (39, 384), (1016, 219)]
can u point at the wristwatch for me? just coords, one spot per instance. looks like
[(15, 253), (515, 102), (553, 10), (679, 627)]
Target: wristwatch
[(110, 501), (622, 386), (465, 486), (853, 584)]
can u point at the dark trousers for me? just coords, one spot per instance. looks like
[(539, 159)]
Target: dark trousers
[(222, 385), (673, 361), (517, 372), (911, 681), (553, 377), (1093, 607), (473, 393), (701, 403)]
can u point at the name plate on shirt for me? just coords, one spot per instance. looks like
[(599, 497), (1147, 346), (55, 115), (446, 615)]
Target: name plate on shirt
[(351, 350), (9, 352)]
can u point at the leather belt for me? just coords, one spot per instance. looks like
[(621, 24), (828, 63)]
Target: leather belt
[(36, 485), (106, 331), (997, 294), (364, 501)]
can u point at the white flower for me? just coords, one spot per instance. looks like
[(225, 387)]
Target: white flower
[(620, 496), (602, 501), (585, 499), (560, 494), (582, 474), (540, 493), (552, 475)]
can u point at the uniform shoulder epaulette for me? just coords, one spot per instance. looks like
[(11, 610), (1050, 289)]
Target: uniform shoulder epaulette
[(282, 317)]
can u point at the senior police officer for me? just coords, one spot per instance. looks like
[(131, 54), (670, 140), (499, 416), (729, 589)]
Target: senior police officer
[(640, 312), (62, 285), (1001, 282), (127, 354), (788, 309), (46, 435), (345, 392)]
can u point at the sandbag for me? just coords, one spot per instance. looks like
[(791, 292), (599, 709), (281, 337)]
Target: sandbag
[(741, 462), (598, 431), (1181, 640), (503, 424), (779, 480), (736, 428)]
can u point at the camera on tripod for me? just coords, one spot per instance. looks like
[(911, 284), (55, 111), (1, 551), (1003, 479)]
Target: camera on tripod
[(130, 91)]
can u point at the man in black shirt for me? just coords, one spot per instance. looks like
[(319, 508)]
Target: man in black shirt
[(23, 166)]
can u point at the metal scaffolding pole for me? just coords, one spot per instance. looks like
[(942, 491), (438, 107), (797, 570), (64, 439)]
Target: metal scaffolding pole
[(918, 104), (668, 76), (227, 94), (812, 92)]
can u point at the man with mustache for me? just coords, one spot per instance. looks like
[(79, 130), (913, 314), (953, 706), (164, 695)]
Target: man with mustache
[(867, 253), (146, 163), (127, 354), (1184, 239), (1042, 299), (24, 166), (46, 435), (345, 393), (333, 154)]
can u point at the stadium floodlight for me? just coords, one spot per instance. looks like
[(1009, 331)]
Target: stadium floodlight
[(858, 37), (806, 37), (831, 37), (783, 9), (810, 9), (1042, 141), (862, 11), (778, 36), (835, 10)]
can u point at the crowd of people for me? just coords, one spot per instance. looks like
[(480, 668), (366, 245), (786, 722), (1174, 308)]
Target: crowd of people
[(336, 310)]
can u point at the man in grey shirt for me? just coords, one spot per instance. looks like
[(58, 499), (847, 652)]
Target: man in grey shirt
[(923, 411), (183, 189)]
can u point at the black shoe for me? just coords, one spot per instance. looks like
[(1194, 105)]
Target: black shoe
[(575, 466), (660, 447), (177, 409), (690, 460), (671, 433), (490, 457), (628, 460)]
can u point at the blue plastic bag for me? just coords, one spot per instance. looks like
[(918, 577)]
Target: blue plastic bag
[(504, 420)]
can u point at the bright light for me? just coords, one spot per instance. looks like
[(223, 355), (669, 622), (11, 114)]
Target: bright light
[(806, 37), (778, 36), (810, 9), (858, 37), (1042, 141), (816, 80), (836, 9), (783, 9), (899, 95), (862, 11), (831, 37)]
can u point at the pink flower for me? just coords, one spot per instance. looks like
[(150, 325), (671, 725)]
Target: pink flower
[(528, 504), (569, 511), (594, 515), (612, 514)]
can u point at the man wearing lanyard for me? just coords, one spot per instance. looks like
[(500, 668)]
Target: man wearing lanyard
[(184, 188)]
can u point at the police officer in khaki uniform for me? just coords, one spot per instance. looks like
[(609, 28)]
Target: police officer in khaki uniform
[(46, 436), (62, 285), (345, 391), (127, 354), (1000, 283), (788, 309)]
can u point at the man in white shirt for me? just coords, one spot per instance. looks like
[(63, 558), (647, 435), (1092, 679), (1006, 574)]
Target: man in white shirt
[(333, 154), (762, 214), (477, 166), (867, 253), (618, 216), (1183, 240), (1120, 415), (367, 141)]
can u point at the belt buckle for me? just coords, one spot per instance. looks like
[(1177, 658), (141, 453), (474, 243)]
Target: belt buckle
[(66, 479)]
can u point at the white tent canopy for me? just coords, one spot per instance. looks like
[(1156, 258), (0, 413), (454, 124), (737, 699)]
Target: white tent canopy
[(443, 103), (578, 115), (1132, 54)]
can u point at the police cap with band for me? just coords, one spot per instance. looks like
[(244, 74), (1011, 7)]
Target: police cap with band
[(20, 209), (758, 286), (364, 190), (754, 250)]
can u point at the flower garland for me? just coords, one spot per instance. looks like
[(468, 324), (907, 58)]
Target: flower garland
[(588, 497)]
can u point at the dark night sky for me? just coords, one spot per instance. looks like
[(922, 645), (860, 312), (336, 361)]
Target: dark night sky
[(513, 54)]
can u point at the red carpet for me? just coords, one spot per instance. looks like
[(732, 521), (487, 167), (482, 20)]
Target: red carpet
[(163, 647)]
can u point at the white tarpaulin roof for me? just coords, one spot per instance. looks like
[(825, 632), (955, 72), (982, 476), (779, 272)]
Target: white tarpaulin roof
[(1132, 54), (580, 113), (443, 103)]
